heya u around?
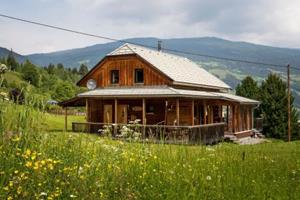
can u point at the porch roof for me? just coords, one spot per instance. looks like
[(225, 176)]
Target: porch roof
[(161, 91)]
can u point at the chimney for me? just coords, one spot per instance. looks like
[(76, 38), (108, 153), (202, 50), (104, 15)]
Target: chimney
[(159, 45)]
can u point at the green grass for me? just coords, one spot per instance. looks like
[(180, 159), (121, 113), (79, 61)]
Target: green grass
[(62, 165), (57, 122), (14, 77)]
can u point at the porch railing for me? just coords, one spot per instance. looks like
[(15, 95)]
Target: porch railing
[(199, 134)]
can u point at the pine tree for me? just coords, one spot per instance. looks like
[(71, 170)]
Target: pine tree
[(274, 108), (74, 71), (83, 69), (11, 61), (249, 88)]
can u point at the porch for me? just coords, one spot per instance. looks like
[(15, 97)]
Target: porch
[(173, 120)]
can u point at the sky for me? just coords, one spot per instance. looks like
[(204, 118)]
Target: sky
[(268, 22)]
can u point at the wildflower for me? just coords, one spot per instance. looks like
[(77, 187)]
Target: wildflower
[(208, 178), (16, 171), (11, 183), (43, 194), (19, 190), (27, 152), (72, 196), (16, 139), (9, 198), (28, 164)]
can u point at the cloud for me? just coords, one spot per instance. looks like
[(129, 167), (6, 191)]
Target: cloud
[(270, 22)]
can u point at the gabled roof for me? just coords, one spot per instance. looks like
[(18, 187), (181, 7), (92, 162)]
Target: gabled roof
[(180, 69), (161, 91)]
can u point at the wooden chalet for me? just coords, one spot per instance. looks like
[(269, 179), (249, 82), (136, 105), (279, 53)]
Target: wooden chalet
[(162, 90)]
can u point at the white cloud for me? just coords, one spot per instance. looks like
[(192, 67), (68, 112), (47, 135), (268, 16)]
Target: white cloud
[(270, 22)]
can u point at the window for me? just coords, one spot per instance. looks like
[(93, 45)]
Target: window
[(139, 76), (114, 76)]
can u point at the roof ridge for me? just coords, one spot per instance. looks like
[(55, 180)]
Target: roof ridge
[(156, 51)]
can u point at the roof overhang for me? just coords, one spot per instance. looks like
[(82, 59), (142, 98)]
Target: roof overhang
[(153, 92), (73, 102)]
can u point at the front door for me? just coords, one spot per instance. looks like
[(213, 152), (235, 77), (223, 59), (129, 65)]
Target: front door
[(122, 114), (107, 114)]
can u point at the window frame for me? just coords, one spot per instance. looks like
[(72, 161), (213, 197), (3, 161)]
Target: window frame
[(135, 76), (112, 76)]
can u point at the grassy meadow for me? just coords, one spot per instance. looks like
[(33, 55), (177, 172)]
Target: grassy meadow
[(41, 162)]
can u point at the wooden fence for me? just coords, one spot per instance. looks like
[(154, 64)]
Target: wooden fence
[(200, 134)]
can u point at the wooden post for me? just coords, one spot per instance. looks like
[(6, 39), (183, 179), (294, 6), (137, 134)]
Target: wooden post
[(116, 111), (238, 117), (227, 115), (177, 111), (66, 119), (144, 111), (289, 102), (233, 118), (115, 126), (166, 112), (205, 112), (193, 112), (87, 110)]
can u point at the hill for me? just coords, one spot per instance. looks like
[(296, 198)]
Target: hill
[(5, 52), (230, 72)]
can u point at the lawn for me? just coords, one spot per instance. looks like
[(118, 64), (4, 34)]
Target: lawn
[(57, 122), (44, 164)]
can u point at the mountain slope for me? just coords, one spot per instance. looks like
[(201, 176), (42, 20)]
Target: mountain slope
[(5, 52), (229, 71)]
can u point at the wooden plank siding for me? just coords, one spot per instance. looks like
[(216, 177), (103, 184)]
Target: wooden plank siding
[(126, 66)]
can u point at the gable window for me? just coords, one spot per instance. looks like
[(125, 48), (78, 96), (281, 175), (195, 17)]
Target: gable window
[(139, 76), (114, 76)]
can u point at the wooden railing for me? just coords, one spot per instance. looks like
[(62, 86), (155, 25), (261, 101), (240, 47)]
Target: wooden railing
[(200, 134)]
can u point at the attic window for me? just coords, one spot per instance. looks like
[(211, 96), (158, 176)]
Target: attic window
[(114, 76), (139, 76)]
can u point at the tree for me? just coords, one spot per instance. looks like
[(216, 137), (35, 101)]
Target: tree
[(274, 108), (248, 88), (51, 69), (63, 91), (83, 69), (74, 71), (60, 66), (11, 61), (30, 73)]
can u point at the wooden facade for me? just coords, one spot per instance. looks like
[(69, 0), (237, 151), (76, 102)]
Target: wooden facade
[(126, 66)]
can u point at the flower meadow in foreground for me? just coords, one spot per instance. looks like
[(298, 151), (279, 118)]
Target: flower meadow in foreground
[(37, 164), (70, 166)]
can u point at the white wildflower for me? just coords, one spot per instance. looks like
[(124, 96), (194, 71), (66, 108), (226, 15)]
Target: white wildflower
[(208, 178), (43, 194)]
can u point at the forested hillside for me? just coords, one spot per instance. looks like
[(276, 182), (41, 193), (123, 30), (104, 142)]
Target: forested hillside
[(230, 72)]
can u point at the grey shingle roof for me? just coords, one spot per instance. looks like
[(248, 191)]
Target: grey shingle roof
[(180, 69), (162, 91)]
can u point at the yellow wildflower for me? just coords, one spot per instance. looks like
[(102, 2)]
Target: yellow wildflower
[(28, 152), (11, 183), (19, 190), (28, 164)]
